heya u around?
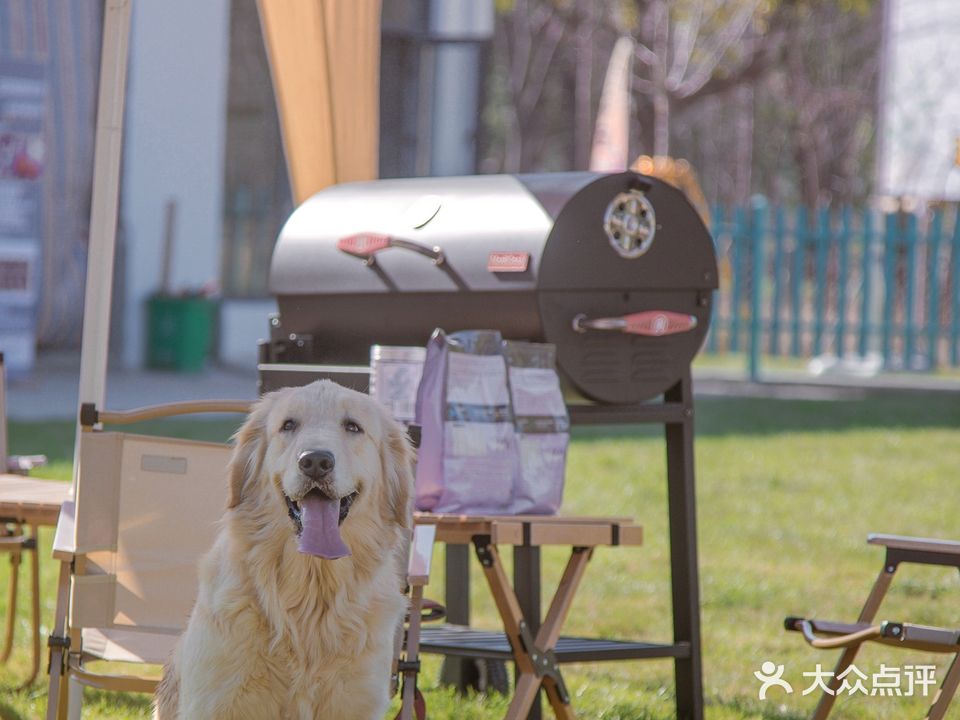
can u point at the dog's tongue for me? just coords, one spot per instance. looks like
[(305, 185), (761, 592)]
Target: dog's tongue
[(321, 527)]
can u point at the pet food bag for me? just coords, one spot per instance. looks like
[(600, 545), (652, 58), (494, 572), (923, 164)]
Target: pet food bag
[(395, 373), (468, 459), (541, 424), (495, 428)]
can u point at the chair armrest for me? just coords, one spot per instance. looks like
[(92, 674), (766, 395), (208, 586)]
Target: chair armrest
[(915, 544), (64, 541), (421, 554), (153, 412)]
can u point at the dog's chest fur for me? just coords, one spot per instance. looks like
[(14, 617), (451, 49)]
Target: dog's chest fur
[(333, 623)]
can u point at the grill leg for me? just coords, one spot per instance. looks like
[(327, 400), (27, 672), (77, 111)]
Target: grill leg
[(457, 671), (526, 584), (682, 509)]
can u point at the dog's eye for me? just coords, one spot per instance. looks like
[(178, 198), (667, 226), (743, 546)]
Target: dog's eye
[(289, 425), (352, 427)]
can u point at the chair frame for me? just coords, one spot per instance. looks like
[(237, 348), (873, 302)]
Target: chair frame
[(66, 657), (827, 635)]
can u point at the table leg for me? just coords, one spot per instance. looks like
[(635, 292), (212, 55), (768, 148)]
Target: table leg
[(549, 633), (535, 660), (559, 700), (524, 696), (15, 556), (35, 581)]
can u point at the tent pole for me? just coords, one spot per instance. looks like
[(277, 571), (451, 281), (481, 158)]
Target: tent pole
[(95, 343)]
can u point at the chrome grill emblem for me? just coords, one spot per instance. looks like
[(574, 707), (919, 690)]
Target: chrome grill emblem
[(630, 223)]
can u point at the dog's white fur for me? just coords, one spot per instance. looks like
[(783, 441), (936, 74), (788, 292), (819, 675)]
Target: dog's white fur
[(279, 634)]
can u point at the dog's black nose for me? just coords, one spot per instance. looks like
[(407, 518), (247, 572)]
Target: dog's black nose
[(316, 463)]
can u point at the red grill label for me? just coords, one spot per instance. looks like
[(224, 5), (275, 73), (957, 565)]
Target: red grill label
[(508, 261)]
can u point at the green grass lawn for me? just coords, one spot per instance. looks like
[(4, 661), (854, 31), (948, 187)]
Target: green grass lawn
[(787, 492)]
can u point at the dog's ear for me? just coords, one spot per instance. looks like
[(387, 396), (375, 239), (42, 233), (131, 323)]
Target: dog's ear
[(397, 462), (248, 450)]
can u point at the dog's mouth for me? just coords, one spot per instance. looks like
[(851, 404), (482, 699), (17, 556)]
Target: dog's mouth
[(317, 520), (295, 511)]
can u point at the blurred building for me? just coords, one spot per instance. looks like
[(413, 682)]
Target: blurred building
[(919, 149), (49, 53), (432, 54), (202, 135)]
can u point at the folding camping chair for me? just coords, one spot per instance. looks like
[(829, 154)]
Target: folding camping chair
[(850, 636), (129, 546)]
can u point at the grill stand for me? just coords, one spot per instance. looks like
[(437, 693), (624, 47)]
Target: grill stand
[(675, 413)]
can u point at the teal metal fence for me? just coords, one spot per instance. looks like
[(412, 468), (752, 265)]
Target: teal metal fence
[(852, 284)]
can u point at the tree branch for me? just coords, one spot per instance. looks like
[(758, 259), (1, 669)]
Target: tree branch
[(759, 64), (684, 43), (732, 33)]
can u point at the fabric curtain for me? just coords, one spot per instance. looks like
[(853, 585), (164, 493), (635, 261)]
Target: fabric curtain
[(325, 62)]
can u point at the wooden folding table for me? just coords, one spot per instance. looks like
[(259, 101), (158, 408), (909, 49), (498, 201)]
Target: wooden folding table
[(30, 502), (537, 649)]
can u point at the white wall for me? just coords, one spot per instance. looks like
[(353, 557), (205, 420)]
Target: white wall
[(174, 145), (242, 324), (920, 100)]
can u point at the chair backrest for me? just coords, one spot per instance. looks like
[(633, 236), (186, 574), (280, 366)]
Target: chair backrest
[(146, 511)]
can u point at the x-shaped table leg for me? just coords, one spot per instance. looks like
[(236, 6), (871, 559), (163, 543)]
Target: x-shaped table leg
[(535, 658), (19, 543)]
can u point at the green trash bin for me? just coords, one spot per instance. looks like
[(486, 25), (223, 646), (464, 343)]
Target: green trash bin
[(180, 332)]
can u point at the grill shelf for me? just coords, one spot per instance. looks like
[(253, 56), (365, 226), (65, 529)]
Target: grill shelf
[(462, 641)]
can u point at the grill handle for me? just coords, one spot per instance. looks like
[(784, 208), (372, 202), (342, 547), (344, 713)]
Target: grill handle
[(366, 245), (652, 323)]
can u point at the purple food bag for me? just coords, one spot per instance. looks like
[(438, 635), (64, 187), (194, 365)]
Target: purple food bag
[(542, 427), (468, 460)]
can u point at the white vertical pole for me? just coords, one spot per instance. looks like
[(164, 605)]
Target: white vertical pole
[(103, 214)]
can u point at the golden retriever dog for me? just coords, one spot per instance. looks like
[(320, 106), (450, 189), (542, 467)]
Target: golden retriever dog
[(301, 595)]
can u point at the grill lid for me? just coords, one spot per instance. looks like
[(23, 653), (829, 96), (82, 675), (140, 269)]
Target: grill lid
[(494, 212)]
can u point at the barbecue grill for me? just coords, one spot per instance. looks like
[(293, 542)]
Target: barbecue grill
[(616, 270)]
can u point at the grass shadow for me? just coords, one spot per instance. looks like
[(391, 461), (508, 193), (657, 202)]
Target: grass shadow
[(8, 713), (720, 416)]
